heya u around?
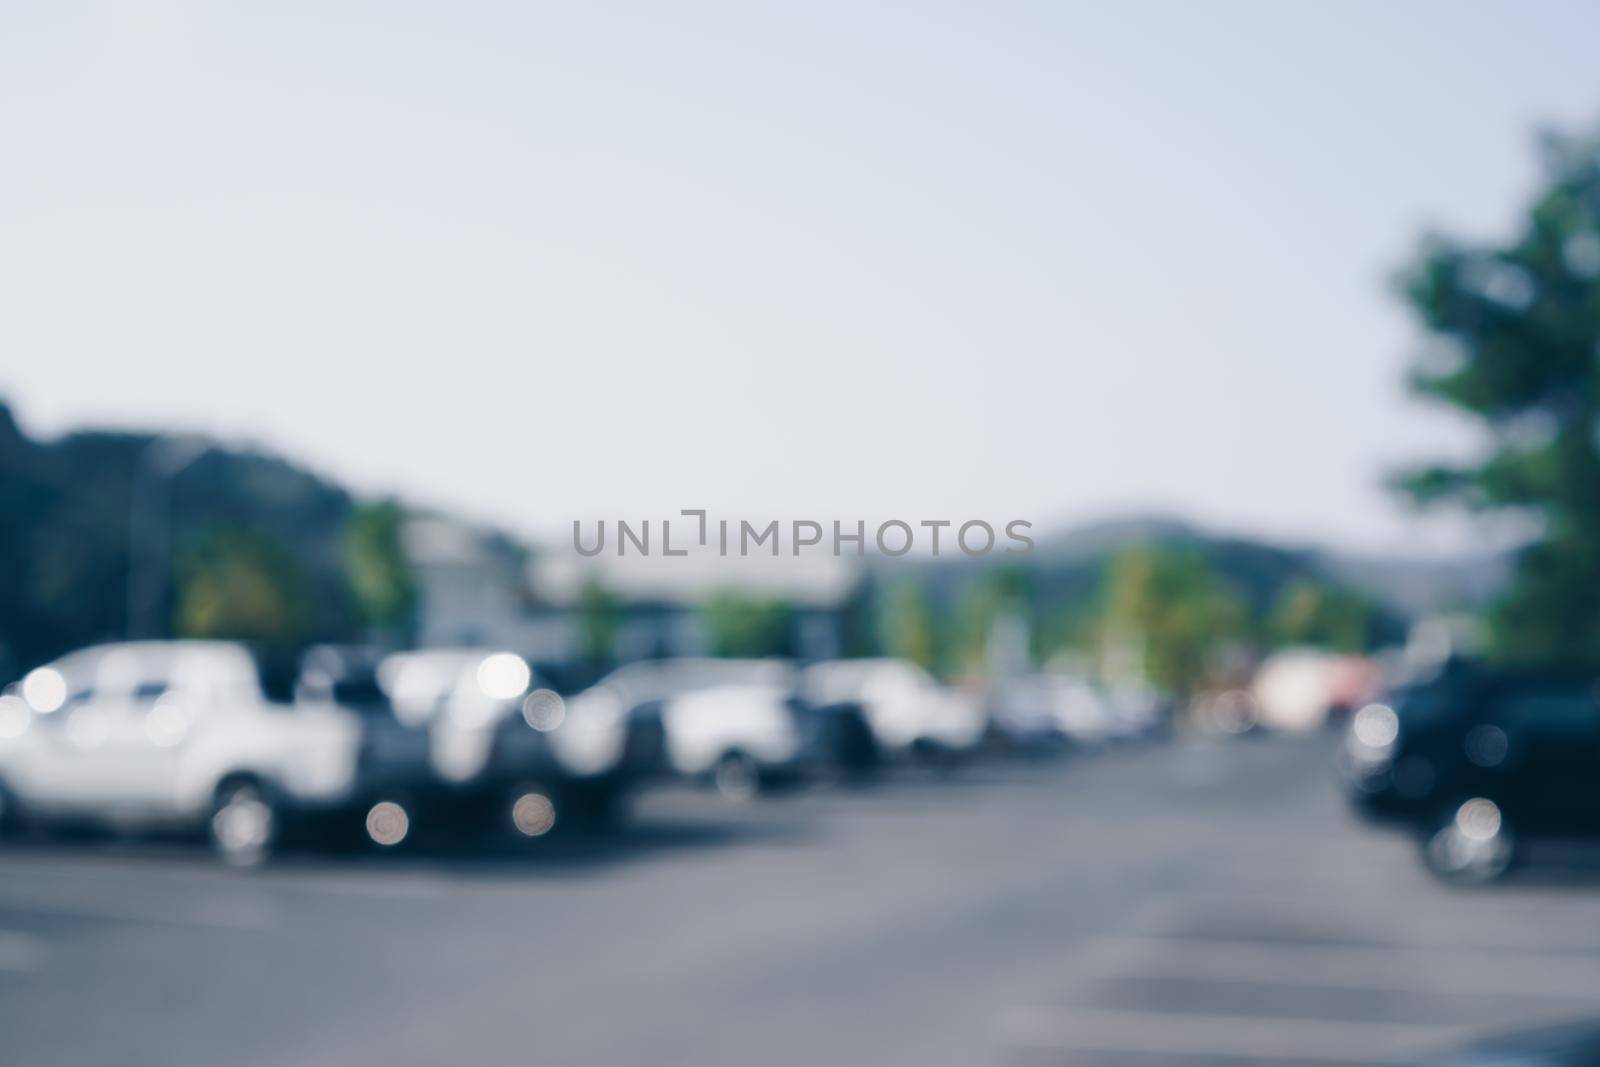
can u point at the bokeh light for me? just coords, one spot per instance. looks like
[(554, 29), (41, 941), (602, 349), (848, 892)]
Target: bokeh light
[(544, 710), (503, 676), (533, 814), (45, 690), (388, 823)]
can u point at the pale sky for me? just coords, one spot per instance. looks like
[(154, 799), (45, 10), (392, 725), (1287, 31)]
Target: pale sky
[(547, 262)]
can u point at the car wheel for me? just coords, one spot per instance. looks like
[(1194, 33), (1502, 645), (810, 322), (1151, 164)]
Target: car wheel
[(243, 825), (736, 776), (1470, 844)]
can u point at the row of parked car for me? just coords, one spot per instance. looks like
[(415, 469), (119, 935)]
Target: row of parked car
[(253, 747)]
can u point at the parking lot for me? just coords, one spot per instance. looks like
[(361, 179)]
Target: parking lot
[(1198, 902)]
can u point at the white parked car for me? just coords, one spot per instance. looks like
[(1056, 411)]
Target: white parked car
[(731, 722), (909, 712), (1048, 708), (1137, 711), (173, 734)]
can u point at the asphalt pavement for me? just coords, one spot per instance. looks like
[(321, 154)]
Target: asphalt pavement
[(1176, 903)]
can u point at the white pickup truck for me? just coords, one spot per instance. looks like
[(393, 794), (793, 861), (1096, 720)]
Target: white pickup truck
[(172, 734)]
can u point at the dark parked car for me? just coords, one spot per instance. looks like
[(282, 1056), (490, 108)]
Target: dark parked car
[(1478, 760), (1576, 1045), (504, 748), (395, 783)]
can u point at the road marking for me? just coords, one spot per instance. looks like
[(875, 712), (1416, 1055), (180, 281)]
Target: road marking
[(1243, 1037), (1461, 972)]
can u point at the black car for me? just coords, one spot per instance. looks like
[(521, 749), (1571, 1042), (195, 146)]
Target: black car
[(395, 784), (1477, 760), (1573, 1045), (507, 749), (442, 755)]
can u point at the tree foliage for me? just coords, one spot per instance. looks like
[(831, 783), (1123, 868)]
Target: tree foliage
[(1178, 611), (379, 571), (233, 522), (909, 626), (1314, 613), (1513, 332), (241, 584), (599, 615), (740, 625), (1001, 595)]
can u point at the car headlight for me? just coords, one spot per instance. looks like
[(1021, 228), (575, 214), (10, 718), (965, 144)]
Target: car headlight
[(1373, 733)]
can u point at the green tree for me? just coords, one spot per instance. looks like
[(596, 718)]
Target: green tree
[(1000, 592), (908, 626), (1067, 629), (1514, 328), (1311, 613), (858, 635), (1180, 613), (378, 569), (243, 585), (598, 618), (740, 625)]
